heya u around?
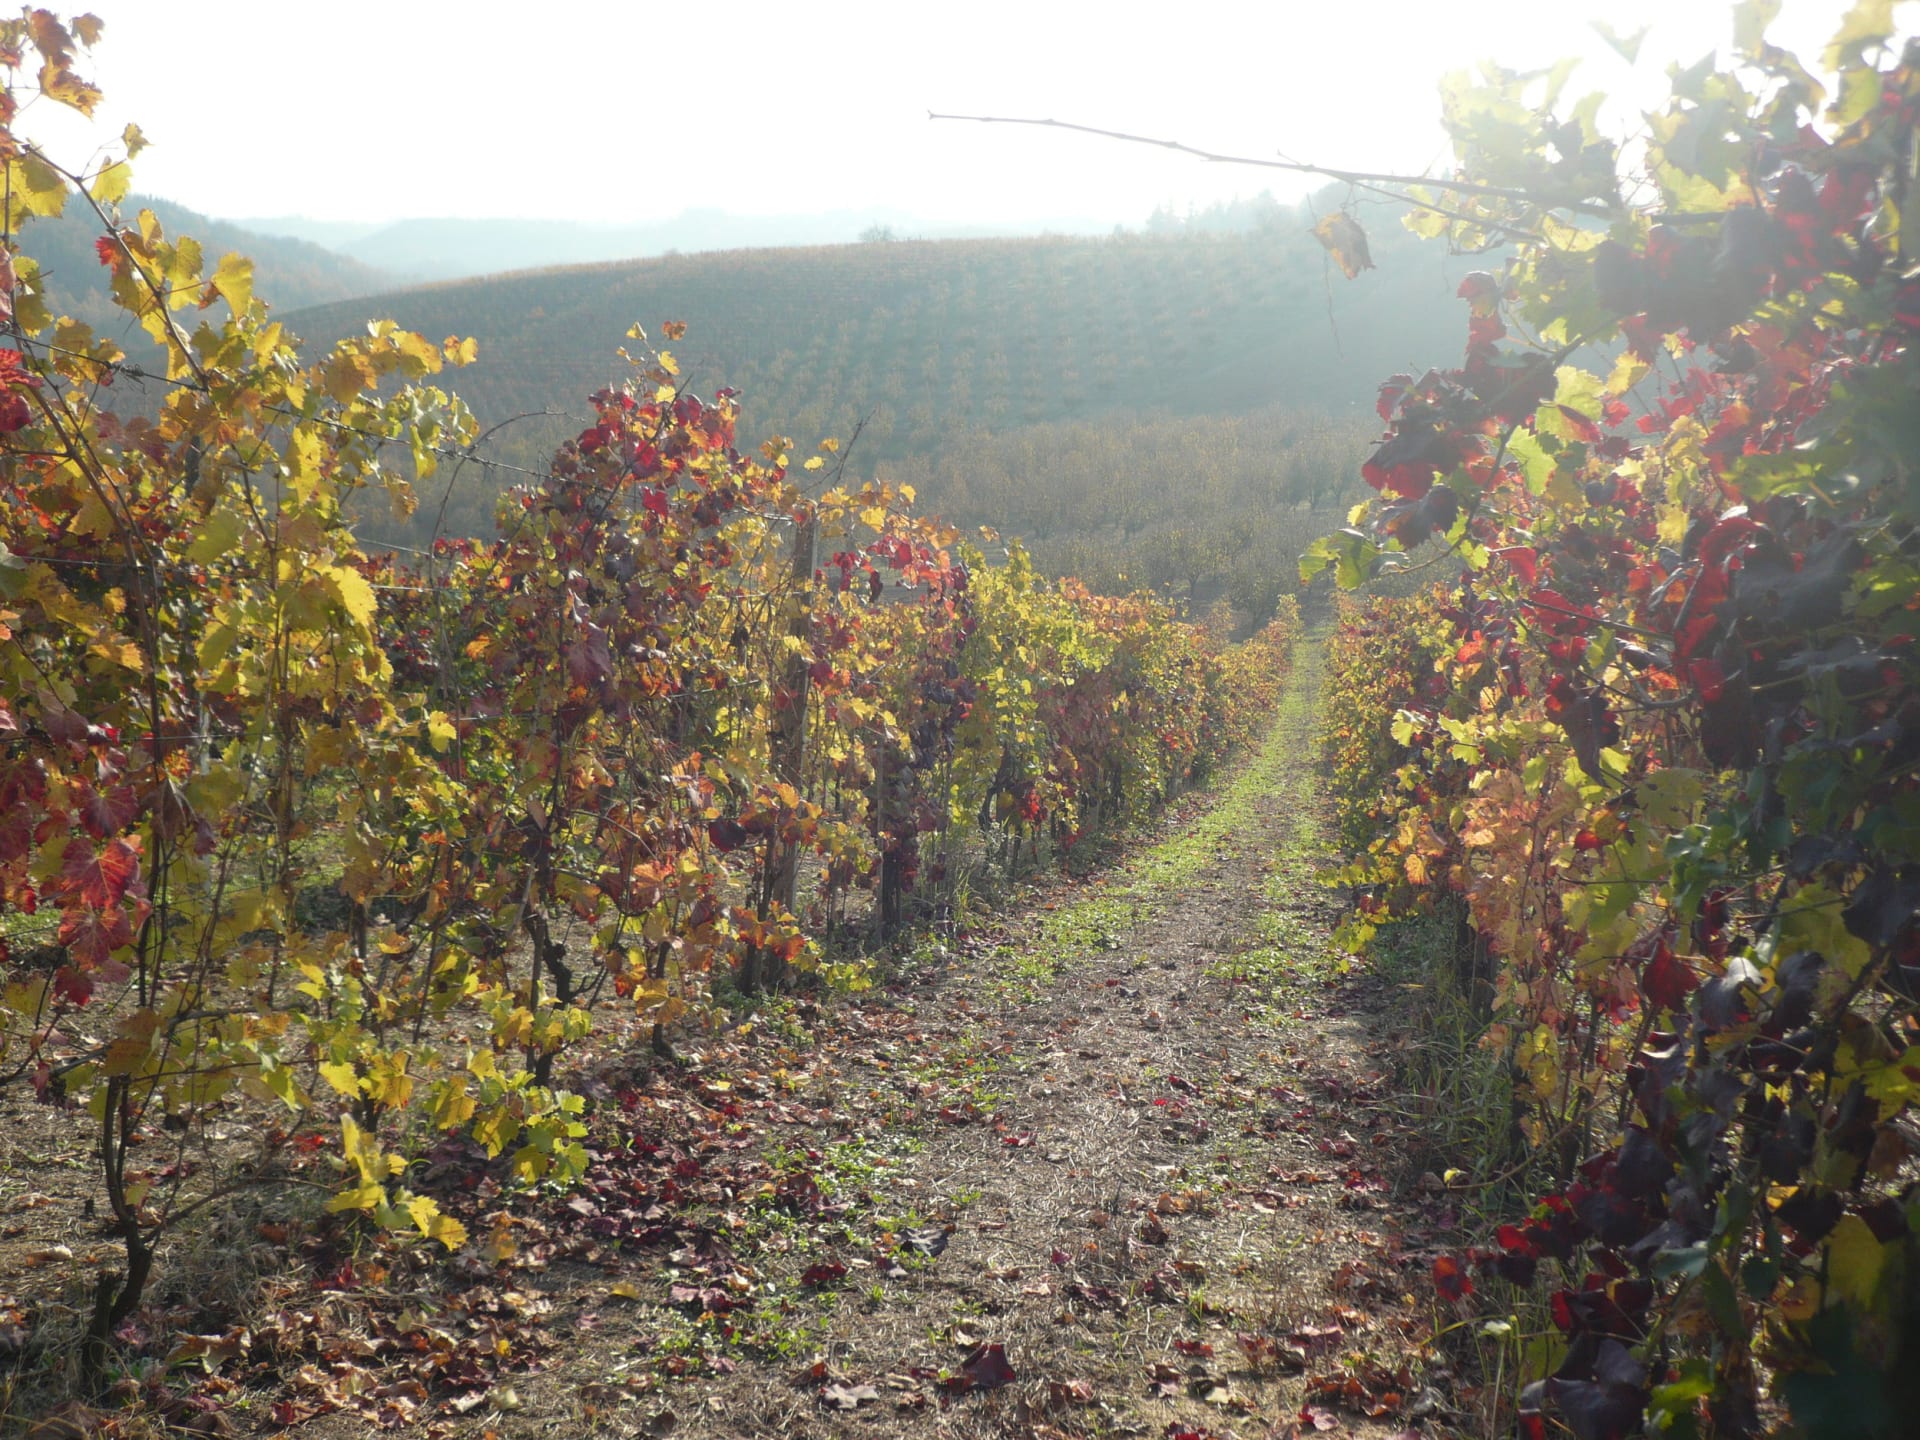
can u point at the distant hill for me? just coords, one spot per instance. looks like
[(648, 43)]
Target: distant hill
[(288, 273), (428, 249), (927, 339)]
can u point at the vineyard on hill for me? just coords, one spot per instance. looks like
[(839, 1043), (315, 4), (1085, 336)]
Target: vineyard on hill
[(925, 344), (355, 856), (607, 892)]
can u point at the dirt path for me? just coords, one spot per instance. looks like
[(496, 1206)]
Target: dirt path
[(1170, 1212), (1117, 1167)]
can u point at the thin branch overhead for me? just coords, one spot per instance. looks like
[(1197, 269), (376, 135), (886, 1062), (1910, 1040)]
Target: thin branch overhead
[(1297, 167)]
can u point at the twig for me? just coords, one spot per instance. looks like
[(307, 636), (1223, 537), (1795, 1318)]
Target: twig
[(1297, 167)]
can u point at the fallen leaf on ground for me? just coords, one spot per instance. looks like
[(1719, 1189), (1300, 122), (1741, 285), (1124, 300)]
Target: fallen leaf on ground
[(848, 1397)]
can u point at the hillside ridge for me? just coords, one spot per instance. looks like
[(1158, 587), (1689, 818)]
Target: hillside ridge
[(921, 341)]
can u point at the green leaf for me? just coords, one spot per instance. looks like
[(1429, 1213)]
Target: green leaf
[(1535, 464), (1856, 1261), (219, 533), (1683, 1264), (1354, 558), (1750, 22), (1717, 1289), (1668, 797), (1866, 26)]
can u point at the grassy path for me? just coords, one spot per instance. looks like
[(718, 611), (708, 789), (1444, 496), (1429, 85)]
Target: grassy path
[(1117, 1168), (1164, 1199)]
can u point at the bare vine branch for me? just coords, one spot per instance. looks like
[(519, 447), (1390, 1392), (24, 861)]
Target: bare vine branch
[(1296, 167)]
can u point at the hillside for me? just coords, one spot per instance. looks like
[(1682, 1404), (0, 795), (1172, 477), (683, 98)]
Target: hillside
[(289, 273), (932, 340), (428, 249)]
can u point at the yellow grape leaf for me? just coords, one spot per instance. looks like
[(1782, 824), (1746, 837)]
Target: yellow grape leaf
[(625, 1289), (26, 997), (219, 533), (58, 82), (1896, 1084), (304, 453), (1668, 797), (135, 139), (356, 595), (814, 463), (1628, 371), (363, 1149), (420, 350), (435, 1226), (1856, 1261), (183, 271), (1811, 920), (341, 1076), (126, 1055), (668, 363), (495, 1130), (368, 1195), (34, 187), (88, 28), (233, 278), (110, 186), (388, 1082), (453, 1106), (345, 373), (401, 496), (1343, 238), (1866, 24), (461, 352), (118, 651), (440, 730), (500, 1244)]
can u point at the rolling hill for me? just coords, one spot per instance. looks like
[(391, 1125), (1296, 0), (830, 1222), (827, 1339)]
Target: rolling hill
[(932, 341), (290, 273), (424, 249)]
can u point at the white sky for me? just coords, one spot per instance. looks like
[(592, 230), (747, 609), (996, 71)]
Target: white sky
[(623, 110)]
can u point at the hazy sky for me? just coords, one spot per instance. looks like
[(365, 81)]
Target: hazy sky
[(618, 110)]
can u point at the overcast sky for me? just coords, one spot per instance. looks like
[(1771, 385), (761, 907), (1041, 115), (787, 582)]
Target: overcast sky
[(623, 111)]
